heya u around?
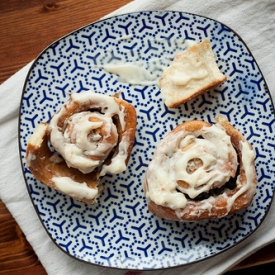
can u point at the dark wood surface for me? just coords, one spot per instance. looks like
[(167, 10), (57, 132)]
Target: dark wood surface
[(26, 28)]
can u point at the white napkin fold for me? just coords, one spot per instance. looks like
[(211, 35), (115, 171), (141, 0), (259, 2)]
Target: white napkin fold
[(254, 21)]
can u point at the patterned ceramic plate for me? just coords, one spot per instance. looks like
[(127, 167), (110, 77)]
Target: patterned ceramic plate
[(119, 231)]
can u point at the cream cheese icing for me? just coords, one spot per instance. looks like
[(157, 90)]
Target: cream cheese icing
[(248, 156), (183, 72), (74, 189), (118, 163), (131, 73)]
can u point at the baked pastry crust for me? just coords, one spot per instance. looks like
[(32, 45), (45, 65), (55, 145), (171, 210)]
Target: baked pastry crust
[(192, 73), (219, 198), (108, 150)]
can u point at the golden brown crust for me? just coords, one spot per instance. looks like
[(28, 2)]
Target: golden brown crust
[(199, 92), (195, 210), (46, 165), (130, 123)]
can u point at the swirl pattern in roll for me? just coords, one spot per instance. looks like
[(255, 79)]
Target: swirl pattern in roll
[(90, 136), (201, 171)]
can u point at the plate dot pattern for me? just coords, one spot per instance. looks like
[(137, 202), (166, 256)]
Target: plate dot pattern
[(119, 231)]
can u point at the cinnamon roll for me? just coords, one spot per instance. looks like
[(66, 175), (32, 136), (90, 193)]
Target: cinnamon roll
[(201, 171), (91, 135)]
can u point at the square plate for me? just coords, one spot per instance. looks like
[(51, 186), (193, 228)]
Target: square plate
[(119, 231)]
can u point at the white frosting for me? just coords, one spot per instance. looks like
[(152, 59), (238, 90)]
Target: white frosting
[(131, 73), (55, 158), (79, 142), (75, 189), (173, 156), (107, 104), (182, 72), (125, 37), (35, 141), (75, 144), (248, 156), (189, 43), (118, 163), (29, 159)]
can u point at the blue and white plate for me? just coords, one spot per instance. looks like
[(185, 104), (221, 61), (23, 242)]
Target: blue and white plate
[(119, 231)]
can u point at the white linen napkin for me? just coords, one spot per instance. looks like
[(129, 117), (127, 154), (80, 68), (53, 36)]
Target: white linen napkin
[(254, 21)]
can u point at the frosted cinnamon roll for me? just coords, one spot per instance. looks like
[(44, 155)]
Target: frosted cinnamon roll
[(91, 135), (201, 171)]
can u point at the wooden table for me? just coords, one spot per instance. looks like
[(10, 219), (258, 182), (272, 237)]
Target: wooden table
[(26, 28)]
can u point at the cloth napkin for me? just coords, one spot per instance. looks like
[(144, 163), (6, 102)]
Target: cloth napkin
[(254, 21)]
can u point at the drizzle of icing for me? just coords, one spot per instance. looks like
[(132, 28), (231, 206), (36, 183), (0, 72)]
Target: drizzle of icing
[(131, 73), (181, 72), (74, 189), (118, 163), (248, 156)]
